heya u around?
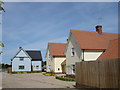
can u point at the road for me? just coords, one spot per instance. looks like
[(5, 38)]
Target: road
[(34, 80)]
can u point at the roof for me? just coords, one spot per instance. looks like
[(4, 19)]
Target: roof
[(92, 40), (57, 49), (112, 51), (35, 55), (64, 62)]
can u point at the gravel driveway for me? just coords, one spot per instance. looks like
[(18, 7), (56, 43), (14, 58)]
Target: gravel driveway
[(34, 80)]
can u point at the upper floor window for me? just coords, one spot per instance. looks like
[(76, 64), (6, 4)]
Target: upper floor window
[(73, 68), (21, 58), (72, 52)]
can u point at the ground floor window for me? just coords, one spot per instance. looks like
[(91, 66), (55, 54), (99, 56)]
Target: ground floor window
[(37, 67), (21, 67)]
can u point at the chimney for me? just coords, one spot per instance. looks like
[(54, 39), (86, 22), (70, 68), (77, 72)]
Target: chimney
[(99, 29), (20, 47)]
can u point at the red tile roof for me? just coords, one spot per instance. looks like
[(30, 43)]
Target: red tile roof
[(112, 51), (57, 49), (64, 62), (92, 40)]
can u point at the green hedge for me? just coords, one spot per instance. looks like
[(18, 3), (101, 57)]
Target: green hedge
[(48, 74), (26, 72), (65, 79)]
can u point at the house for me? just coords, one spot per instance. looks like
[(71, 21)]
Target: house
[(26, 60), (55, 56), (86, 46), (111, 52)]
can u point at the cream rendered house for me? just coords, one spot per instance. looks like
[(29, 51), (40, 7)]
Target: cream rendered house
[(85, 46), (55, 56)]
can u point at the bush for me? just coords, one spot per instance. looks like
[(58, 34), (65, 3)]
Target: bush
[(48, 74), (65, 79), (21, 72)]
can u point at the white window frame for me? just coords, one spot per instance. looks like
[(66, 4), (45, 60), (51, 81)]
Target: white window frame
[(22, 67), (72, 52), (73, 68)]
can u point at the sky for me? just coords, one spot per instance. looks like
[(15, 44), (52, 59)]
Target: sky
[(33, 24)]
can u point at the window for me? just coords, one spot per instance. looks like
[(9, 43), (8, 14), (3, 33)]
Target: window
[(73, 68), (21, 67), (72, 52), (21, 58), (58, 69), (37, 66)]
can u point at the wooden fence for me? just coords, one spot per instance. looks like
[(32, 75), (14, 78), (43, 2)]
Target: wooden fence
[(98, 74)]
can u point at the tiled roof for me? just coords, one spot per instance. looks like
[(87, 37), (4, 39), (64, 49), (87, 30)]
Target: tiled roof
[(64, 62), (57, 49), (92, 40), (35, 55), (112, 51)]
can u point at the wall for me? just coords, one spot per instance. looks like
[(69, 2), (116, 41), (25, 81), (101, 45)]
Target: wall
[(92, 55), (98, 74), (57, 62), (76, 58), (49, 62), (16, 63), (37, 63)]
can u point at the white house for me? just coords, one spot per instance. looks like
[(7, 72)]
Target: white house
[(86, 46), (55, 57), (27, 60)]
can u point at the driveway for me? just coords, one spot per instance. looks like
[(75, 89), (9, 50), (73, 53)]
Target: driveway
[(34, 80)]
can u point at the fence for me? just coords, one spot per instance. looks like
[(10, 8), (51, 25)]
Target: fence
[(98, 74), (9, 69)]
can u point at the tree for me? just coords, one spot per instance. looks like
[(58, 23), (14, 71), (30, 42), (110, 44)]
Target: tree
[(1, 8), (1, 44)]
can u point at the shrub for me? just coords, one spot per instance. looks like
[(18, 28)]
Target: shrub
[(65, 79), (48, 74)]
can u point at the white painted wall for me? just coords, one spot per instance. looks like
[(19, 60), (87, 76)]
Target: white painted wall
[(16, 63), (21, 54), (57, 62), (37, 63), (70, 60), (49, 62)]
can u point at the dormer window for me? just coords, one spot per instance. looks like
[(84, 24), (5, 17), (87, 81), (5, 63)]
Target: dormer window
[(72, 52)]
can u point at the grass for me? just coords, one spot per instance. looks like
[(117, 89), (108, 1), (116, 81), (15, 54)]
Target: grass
[(65, 79)]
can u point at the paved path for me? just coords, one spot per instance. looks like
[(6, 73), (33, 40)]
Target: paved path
[(34, 80)]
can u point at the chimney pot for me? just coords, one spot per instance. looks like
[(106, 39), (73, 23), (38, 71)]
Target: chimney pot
[(20, 47), (99, 29)]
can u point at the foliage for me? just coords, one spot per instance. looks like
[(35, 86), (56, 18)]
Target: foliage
[(48, 74), (1, 44), (26, 72), (1, 8), (65, 79)]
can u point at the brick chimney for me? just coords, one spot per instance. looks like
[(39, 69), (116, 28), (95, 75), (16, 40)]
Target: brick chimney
[(99, 29)]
